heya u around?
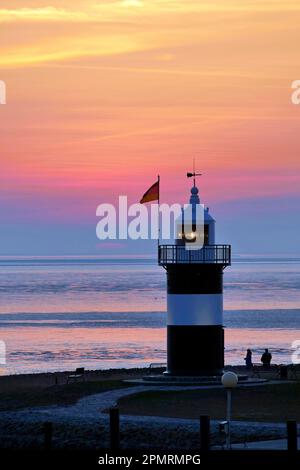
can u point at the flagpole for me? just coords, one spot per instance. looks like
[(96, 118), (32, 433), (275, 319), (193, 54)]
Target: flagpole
[(158, 219)]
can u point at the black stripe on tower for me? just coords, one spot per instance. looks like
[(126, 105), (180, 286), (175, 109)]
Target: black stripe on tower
[(195, 350), (195, 279)]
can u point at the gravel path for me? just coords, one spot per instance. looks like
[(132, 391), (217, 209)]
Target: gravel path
[(84, 425)]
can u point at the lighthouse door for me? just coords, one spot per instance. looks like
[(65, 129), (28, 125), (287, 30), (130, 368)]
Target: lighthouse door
[(206, 234)]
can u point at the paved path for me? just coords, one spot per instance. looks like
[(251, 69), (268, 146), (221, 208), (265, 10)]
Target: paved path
[(89, 411), (92, 408)]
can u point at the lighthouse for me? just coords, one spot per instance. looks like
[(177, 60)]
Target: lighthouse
[(195, 334)]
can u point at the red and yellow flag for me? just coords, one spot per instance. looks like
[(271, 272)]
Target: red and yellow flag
[(152, 194)]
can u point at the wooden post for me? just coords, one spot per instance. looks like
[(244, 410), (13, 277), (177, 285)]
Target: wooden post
[(114, 426), (48, 432), (291, 427), (204, 433)]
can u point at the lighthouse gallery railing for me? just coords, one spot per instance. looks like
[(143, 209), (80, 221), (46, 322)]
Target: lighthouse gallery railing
[(208, 254)]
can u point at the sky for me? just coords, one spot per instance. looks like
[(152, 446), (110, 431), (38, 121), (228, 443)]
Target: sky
[(104, 95)]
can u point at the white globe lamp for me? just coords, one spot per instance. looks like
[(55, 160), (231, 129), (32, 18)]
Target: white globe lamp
[(229, 381)]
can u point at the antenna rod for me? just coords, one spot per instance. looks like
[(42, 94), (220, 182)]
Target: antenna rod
[(194, 171)]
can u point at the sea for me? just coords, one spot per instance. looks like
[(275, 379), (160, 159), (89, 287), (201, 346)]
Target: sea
[(59, 313)]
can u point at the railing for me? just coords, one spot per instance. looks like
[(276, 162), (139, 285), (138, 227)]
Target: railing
[(208, 254)]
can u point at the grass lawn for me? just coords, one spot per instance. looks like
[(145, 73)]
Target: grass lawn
[(55, 395), (271, 402)]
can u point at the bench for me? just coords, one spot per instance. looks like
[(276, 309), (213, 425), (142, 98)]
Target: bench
[(158, 365), (78, 374)]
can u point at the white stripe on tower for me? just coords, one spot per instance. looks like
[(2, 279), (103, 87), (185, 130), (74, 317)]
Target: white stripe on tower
[(195, 309)]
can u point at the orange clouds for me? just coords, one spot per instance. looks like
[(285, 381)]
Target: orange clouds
[(58, 32), (130, 88)]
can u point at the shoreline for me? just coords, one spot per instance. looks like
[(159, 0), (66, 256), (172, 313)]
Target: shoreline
[(48, 379)]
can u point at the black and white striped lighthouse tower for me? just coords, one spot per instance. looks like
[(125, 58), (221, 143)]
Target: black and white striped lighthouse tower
[(195, 335)]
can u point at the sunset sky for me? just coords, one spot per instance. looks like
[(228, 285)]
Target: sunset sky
[(104, 95)]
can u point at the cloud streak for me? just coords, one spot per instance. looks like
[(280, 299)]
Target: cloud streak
[(44, 14), (97, 29)]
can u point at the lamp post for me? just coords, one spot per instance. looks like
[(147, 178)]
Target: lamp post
[(229, 381)]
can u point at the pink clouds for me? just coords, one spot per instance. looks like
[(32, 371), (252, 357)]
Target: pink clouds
[(103, 97)]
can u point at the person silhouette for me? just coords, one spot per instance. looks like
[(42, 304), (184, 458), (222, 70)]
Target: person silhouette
[(266, 359), (248, 359)]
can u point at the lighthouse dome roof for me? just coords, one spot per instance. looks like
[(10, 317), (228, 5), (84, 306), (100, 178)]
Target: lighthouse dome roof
[(207, 217)]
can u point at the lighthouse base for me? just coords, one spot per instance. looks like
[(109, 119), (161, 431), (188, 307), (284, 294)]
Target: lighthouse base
[(165, 379), (195, 350)]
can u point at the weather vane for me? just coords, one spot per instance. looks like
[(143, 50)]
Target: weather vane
[(194, 174)]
